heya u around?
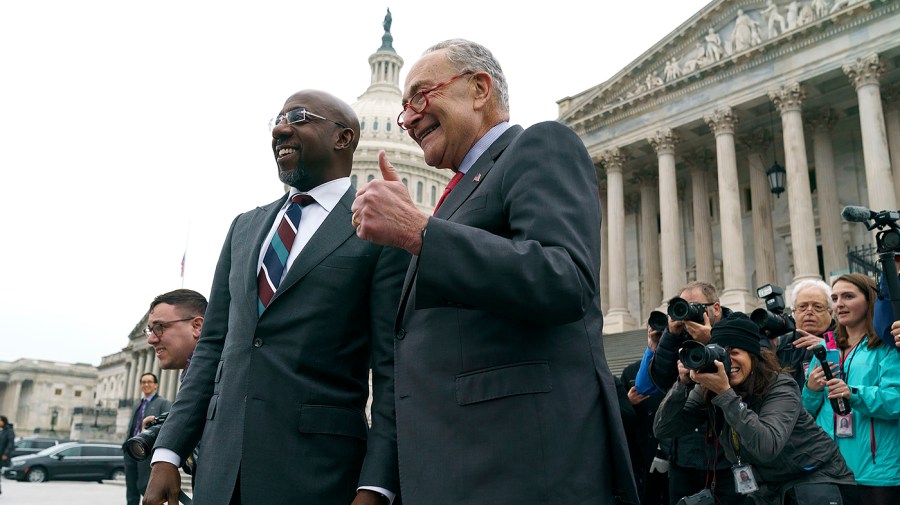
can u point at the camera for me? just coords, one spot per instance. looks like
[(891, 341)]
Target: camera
[(657, 321), (697, 356), (683, 310), (140, 446), (771, 320)]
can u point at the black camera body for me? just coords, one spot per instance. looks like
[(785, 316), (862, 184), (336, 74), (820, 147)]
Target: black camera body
[(697, 356), (683, 310), (140, 446), (771, 320)]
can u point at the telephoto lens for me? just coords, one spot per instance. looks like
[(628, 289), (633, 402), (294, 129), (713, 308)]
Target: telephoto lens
[(699, 357), (683, 310), (657, 321), (140, 446)]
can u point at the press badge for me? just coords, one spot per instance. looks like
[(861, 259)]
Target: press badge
[(843, 426), (744, 482)]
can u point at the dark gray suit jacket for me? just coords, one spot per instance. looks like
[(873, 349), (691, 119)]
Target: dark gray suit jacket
[(503, 392), (283, 395)]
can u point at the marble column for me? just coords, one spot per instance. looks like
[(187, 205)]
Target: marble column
[(761, 203), (735, 294), (789, 102), (704, 258), (671, 251), (891, 98), (834, 251), (604, 248), (141, 369), (864, 74), (618, 319), (650, 267), (129, 379)]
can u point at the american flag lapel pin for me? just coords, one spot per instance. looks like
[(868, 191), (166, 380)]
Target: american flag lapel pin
[(477, 178)]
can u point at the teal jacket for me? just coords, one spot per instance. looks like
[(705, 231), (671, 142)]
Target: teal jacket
[(873, 453)]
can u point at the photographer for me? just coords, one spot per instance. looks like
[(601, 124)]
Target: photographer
[(696, 458), (780, 453), (173, 328), (812, 306)]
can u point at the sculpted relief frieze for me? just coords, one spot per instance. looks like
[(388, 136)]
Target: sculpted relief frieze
[(744, 33)]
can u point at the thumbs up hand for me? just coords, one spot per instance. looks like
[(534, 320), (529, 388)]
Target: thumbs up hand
[(384, 213)]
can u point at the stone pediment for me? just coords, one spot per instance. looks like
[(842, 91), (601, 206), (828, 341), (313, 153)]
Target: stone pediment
[(723, 34)]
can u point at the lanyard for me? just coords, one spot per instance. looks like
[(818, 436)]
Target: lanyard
[(844, 372), (736, 443)]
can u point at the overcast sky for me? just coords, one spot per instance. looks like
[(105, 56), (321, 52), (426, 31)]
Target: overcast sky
[(133, 131)]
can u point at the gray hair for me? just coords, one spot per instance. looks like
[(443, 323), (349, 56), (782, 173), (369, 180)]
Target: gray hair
[(811, 284), (473, 57)]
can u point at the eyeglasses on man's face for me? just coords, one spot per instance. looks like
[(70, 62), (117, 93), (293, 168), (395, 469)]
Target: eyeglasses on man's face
[(299, 115), (816, 308), (159, 328), (419, 102)]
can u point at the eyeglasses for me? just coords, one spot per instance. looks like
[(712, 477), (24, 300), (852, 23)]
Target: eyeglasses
[(815, 307), (298, 116), (419, 102), (159, 328)]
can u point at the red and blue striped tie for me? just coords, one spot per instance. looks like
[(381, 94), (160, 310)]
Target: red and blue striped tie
[(272, 270)]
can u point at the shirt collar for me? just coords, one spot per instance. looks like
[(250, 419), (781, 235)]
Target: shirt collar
[(482, 145), (327, 195)]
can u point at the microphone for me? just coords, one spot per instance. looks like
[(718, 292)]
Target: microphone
[(856, 214), (839, 405)]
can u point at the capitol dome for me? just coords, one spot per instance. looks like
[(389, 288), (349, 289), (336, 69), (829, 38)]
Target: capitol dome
[(377, 109)]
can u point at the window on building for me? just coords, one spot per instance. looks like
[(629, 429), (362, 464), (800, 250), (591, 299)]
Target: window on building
[(77, 394), (406, 182), (369, 178), (420, 188), (362, 125), (747, 200), (58, 392), (387, 125), (375, 126), (353, 180), (433, 195)]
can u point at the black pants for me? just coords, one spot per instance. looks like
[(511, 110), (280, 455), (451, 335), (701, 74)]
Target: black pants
[(656, 489), (687, 481)]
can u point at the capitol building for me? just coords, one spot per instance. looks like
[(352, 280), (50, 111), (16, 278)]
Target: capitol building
[(725, 153)]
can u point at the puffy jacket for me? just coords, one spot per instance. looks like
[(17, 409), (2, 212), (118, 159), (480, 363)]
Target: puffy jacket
[(873, 453), (775, 435)]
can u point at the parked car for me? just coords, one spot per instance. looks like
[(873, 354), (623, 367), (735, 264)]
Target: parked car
[(31, 445), (70, 461)]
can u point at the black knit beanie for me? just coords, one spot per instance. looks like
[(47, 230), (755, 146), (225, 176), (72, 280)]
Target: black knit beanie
[(738, 331)]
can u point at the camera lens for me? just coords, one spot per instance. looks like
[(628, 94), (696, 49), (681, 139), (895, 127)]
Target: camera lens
[(694, 355), (137, 448), (657, 321), (679, 309)]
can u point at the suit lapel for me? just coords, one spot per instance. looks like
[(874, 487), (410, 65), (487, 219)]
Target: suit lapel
[(477, 173), (333, 232), (455, 199)]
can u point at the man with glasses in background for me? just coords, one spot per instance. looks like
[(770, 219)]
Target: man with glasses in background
[(138, 473), (300, 309), (502, 387)]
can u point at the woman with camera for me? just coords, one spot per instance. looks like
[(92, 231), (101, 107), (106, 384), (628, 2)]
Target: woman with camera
[(756, 408), (867, 375)]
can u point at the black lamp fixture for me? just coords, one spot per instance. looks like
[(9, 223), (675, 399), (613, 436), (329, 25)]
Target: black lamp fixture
[(776, 173)]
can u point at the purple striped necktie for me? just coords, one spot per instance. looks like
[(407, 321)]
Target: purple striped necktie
[(279, 249)]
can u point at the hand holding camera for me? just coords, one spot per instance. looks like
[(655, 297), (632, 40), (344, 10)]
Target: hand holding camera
[(689, 316)]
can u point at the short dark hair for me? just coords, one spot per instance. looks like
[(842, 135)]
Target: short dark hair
[(151, 374), (186, 299)]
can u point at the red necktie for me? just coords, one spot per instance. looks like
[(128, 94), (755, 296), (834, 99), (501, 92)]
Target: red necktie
[(448, 189)]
